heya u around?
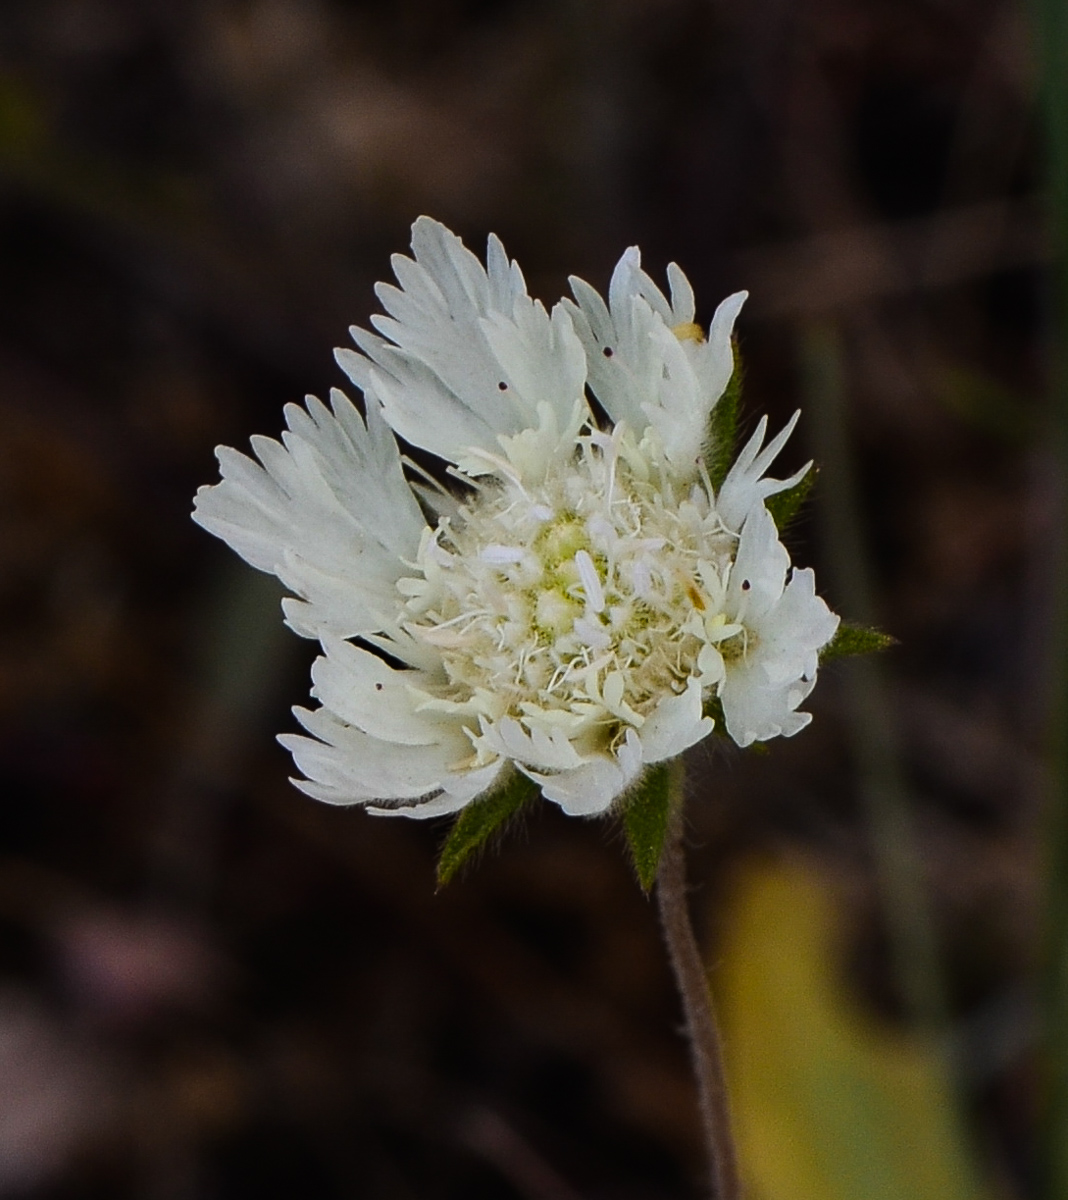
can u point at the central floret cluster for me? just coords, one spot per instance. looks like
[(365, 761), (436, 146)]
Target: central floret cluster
[(586, 604), (575, 606)]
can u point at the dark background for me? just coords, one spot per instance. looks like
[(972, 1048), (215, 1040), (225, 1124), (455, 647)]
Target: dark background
[(210, 986)]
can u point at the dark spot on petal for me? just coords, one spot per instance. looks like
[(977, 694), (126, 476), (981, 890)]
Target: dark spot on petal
[(608, 352), (746, 585), (503, 386), (379, 686)]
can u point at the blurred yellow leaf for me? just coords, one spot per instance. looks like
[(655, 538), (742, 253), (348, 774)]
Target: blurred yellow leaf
[(828, 1103)]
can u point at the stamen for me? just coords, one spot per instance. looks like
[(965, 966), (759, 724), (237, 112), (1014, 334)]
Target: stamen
[(503, 555), (547, 592), (591, 581)]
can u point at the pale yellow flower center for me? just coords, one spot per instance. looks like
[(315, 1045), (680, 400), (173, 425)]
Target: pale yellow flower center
[(577, 604)]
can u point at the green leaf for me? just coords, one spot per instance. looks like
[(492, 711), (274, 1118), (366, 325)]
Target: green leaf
[(645, 821), (855, 639), (723, 425), (480, 820), (784, 506)]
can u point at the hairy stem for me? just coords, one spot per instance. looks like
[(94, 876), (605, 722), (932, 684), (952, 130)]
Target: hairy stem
[(706, 1051)]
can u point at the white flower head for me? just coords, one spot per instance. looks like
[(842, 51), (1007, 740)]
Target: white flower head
[(574, 609)]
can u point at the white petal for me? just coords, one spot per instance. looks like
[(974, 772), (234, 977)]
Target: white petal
[(360, 464), (639, 369), (715, 359), (682, 300), (329, 512), (591, 788), (356, 767), (678, 411), (353, 597), (755, 710), (460, 790), (530, 453), (417, 405), (440, 805), (345, 766), (540, 357), (758, 574), (794, 631), (626, 283), (547, 750), (788, 626), (465, 356), (745, 488), (623, 362), (674, 725), (762, 691), (364, 691)]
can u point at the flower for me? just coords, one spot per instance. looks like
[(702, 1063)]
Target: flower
[(574, 607)]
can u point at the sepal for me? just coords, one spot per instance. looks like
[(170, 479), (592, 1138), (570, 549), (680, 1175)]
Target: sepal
[(722, 439), (714, 708), (480, 821), (646, 811), (853, 639), (784, 506)]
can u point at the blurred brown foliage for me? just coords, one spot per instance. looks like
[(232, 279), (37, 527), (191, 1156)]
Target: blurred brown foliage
[(210, 987)]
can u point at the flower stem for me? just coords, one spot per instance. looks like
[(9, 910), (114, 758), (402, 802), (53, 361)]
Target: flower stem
[(706, 1050)]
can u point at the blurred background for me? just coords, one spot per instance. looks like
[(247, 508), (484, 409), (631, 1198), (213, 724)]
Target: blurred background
[(212, 988)]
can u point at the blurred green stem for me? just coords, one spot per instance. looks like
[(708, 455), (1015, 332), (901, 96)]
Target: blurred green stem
[(913, 948), (1051, 28), (706, 1050), (884, 790)]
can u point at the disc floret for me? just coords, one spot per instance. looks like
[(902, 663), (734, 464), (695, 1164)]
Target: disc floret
[(579, 602)]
